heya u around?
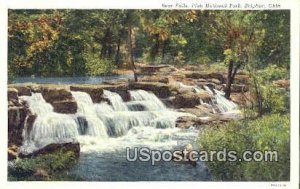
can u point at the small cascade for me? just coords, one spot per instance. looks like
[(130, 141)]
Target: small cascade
[(218, 103), (49, 127), (147, 100), (115, 100), (37, 104), (223, 104), (87, 109)]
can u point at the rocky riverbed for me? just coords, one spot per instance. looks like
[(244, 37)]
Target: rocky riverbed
[(188, 90)]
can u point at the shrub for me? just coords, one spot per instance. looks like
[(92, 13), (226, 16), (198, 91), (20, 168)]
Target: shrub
[(267, 133), (275, 100), (23, 169), (96, 66), (273, 72)]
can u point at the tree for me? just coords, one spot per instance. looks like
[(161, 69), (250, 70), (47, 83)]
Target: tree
[(239, 31)]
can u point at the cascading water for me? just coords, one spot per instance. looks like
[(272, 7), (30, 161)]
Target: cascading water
[(224, 105), (218, 103), (105, 129), (49, 127), (86, 109)]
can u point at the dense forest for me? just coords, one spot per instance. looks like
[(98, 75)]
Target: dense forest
[(90, 43)]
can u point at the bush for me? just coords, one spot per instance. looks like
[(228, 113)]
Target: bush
[(275, 100), (53, 164), (267, 133), (273, 72), (97, 67)]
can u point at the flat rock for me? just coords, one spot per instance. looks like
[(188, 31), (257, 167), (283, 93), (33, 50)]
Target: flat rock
[(65, 107), (23, 90), (56, 94), (94, 91), (159, 89)]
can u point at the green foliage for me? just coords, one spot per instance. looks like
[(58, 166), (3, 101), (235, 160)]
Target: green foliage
[(275, 100), (267, 133), (53, 164), (97, 66), (273, 72), (68, 42)]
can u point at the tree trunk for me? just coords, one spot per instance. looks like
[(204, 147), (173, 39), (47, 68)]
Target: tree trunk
[(229, 80), (232, 70), (131, 53), (258, 97), (118, 52)]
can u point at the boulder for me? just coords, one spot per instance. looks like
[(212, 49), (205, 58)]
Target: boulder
[(56, 94), (94, 91), (241, 79), (215, 81), (159, 89), (51, 148), (243, 99), (12, 152), (61, 99), (190, 100), (65, 106), (205, 75), (16, 121), (238, 88), (23, 90), (41, 174), (154, 79), (12, 94), (121, 89), (186, 122), (283, 83), (199, 111), (150, 69)]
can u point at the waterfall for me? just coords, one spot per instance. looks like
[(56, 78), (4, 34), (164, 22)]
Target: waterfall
[(223, 104), (147, 100), (218, 102), (49, 127), (37, 104), (100, 120), (87, 109), (115, 100)]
